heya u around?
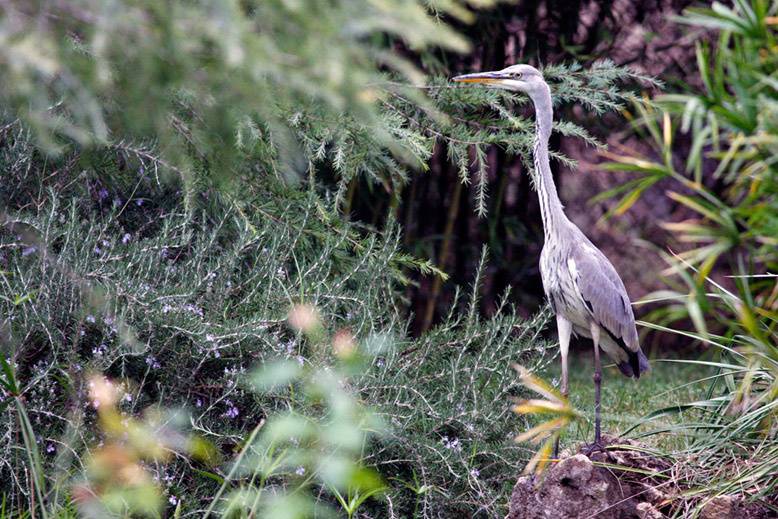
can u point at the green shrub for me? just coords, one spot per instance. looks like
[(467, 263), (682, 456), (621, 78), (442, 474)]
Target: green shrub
[(181, 304), (724, 281)]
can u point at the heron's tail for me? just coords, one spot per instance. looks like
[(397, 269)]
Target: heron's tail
[(630, 362), (636, 365)]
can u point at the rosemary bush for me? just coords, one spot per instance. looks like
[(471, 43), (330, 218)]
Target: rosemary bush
[(181, 305)]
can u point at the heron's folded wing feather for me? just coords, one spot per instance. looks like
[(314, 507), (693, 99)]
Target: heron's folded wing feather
[(604, 294)]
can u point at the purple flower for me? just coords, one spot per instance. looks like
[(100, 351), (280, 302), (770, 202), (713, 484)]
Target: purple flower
[(50, 448), (139, 202), (29, 250), (103, 194), (173, 500), (194, 309), (126, 238), (232, 411)]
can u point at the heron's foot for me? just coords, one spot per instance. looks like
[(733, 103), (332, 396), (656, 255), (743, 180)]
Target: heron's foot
[(590, 449)]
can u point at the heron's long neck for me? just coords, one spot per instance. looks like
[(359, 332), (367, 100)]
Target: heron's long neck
[(551, 208)]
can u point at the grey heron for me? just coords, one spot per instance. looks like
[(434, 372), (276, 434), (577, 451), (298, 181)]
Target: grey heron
[(582, 286)]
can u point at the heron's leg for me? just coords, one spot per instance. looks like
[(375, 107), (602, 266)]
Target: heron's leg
[(564, 328), (595, 329)]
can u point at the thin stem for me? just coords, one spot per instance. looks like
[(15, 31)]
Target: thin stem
[(234, 468), (453, 211), (33, 457)]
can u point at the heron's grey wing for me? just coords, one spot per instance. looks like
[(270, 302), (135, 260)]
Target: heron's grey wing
[(604, 294)]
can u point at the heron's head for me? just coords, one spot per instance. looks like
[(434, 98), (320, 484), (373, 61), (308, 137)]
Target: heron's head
[(518, 78)]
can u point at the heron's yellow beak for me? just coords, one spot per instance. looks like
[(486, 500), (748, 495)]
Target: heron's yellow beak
[(480, 77)]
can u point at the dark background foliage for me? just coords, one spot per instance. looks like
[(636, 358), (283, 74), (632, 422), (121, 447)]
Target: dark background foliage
[(438, 214)]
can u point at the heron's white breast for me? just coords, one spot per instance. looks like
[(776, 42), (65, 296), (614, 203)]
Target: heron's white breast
[(559, 275)]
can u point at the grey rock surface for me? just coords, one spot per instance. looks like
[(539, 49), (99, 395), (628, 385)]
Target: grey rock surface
[(582, 486)]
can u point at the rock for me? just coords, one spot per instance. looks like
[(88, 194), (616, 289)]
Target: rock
[(734, 507), (718, 508), (580, 486), (575, 469), (647, 511), (576, 488)]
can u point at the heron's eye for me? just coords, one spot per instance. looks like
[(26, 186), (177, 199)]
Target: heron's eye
[(517, 75)]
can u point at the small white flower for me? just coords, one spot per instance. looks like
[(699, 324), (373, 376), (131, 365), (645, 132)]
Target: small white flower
[(452, 444)]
